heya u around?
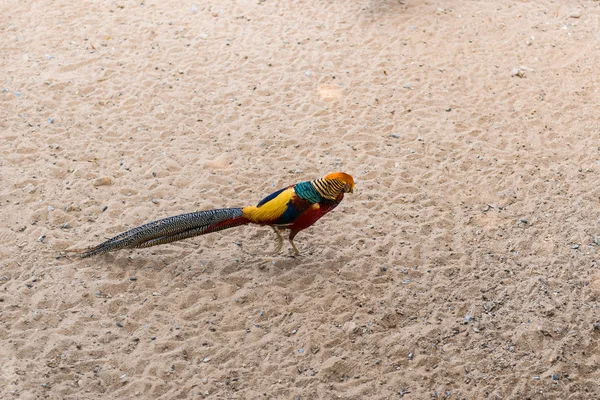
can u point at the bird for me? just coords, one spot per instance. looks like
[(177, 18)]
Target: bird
[(295, 208)]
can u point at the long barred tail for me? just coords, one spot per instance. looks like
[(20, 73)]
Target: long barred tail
[(171, 229)]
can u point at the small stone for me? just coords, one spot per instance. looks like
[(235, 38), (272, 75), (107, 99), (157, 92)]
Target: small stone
[(50, 121), (383, 268), (152, 337), (395, 136), (41, 238), (103, 181), (206, 359), (420, 138), (575, 246), (597, 326), (65, 226), (518, 72), (300, 350), (406, 86), (410, 356), (133, 278), (119, 324), (50, 208), (575, 14), (377, 362), (468, 318), (29, 188), (536, 378), (448, 109), (36, 315), (307, 73), (294, 331), (555, 377)]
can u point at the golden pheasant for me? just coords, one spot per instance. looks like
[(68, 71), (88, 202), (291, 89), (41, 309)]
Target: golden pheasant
[(295, 207)]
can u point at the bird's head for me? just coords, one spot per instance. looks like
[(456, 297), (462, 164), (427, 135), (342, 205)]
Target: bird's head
[(341, 177)]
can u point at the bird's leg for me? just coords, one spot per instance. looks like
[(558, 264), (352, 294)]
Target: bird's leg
[(291, 238), (279, 240)]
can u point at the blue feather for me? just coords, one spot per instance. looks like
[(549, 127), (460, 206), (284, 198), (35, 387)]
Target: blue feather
[(306, 191)]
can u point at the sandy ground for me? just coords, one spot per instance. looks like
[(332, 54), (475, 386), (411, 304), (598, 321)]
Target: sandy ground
[(464, 266)]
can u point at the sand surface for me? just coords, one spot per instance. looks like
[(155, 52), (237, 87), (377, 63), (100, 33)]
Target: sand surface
[(465, 266)]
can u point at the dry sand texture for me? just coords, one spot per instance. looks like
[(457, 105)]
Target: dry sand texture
[(464, 266)]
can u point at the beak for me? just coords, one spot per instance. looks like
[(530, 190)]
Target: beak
[(351, 190)]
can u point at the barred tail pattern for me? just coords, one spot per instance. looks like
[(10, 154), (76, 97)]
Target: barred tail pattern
[(171, 229)]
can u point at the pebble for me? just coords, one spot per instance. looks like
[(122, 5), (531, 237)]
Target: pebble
[(50, 120), (377, 362), (37, 314), (103, 181), (468, 318), (420, 138), (597, 326), (206, 359), (152, 337), (410, 356), (395, 136), (50, 208), (575, 246), (575, 14), (119, 324), (29, 188), (448, 109), (133, 278), (555, 377), (518, 72), (383, 268), (65, 226), (406, 86), (300, 350), (41, 238), (536, 378)]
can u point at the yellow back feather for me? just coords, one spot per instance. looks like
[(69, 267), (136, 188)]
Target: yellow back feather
[(270, 210)]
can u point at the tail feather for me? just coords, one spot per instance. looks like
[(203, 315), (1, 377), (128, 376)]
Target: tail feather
[(171, 229)]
